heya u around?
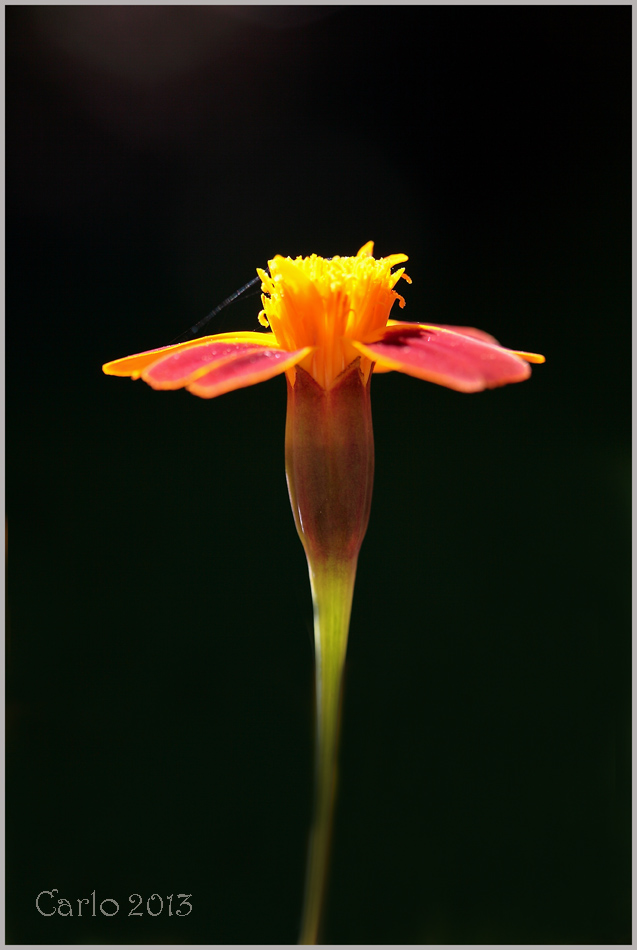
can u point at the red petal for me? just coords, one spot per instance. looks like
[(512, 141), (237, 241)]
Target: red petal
[(244, 369), (466, 331), (134, 365), (177, 369), (470, 331), (456, 360)]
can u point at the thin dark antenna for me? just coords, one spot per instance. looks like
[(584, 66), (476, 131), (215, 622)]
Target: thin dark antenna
[(213, 313)]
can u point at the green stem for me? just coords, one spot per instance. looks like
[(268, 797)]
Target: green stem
[(332, 592)]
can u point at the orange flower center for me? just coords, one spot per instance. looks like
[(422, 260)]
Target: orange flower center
[(325, 304)]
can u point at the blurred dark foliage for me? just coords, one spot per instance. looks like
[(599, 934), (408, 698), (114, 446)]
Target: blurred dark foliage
[(159, 648)]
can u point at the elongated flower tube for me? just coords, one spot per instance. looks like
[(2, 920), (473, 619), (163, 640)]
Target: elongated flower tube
[(327, 328)]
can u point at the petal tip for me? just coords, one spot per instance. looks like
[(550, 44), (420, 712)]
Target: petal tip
[(530, 357)]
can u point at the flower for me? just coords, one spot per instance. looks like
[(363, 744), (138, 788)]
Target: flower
[(323, 314), (329, 329)]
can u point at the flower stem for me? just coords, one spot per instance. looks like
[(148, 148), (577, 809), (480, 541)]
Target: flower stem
[(329, 463), (332, 592)]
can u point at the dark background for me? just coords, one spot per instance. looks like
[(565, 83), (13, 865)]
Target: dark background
[(159, 648)]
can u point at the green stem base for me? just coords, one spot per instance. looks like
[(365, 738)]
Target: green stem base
[(332, 592)]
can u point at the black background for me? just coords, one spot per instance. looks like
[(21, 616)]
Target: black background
[(159, 648)]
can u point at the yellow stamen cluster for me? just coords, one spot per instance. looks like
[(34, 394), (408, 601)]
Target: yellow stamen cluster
[(313, 301)]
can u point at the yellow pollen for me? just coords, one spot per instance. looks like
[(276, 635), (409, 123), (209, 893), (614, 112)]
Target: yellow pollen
[(326, 304)]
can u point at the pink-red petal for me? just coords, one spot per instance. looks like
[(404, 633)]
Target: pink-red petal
[(177, 369), (244, 369), (458, 360), (466, 331), (210, 365), (135, 364)]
